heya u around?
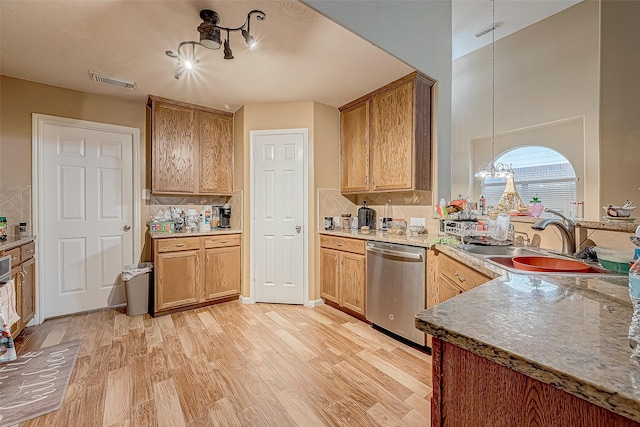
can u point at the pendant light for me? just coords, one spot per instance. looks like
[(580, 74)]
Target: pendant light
[(493, 170)]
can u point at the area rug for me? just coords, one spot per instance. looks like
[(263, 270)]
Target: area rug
[(36, 382)]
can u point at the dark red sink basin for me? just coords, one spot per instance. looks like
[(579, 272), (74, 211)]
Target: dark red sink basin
[(508, 262)]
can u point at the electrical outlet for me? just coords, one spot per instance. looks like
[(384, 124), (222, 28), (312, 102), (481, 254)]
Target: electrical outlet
[(417, 221), (146, 194)]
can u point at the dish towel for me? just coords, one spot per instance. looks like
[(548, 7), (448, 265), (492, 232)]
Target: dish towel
[(7, 305)]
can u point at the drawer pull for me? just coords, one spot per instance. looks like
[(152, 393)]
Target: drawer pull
[(14, 258), (460, 278), (339, 243), (178, 245), (30, 251), (223, 241)]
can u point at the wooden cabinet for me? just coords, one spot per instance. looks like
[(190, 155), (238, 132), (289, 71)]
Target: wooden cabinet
[(449, 277), (191, 149), (386, 138), (193, 271), (343, 273), (177, 279), (222, 267), (354, 148), (23, 272)]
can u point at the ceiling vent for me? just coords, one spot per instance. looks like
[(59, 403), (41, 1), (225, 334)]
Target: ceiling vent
[(111, 80)]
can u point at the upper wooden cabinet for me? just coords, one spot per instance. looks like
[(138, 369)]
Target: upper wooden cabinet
[(191, 149), (386, 138), (354, 148)]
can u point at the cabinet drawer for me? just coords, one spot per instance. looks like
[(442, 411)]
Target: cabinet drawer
[(221, 241), (183, 244), (463, 276), (27, 251), (15, 256), (355, 246)]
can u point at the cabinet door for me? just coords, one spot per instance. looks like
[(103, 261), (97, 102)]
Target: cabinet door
[(177, 279), (329, 279), (392, 139), (354, 148), (353, 282), (446, 289), (222, 272), (216, 153), (174, 149), (27, 291)]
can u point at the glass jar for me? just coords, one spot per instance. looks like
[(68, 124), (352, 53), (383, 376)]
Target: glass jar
[(346, 221), (535, 207)]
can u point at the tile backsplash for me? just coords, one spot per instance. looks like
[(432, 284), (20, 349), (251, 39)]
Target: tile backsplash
[(405, 205), (15, 204)]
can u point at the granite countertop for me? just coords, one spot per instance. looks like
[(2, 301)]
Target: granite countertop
[(567, 331), (14, 241), (218, 231), (421, 240)]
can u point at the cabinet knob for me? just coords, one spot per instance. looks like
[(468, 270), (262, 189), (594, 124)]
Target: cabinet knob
[(460, 278)]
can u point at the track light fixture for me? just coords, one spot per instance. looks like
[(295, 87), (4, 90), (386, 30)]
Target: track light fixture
[(210, 38)]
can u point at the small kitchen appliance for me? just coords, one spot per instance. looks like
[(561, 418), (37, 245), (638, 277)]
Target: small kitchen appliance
[(366, 217), (5, 269), (225, 216)]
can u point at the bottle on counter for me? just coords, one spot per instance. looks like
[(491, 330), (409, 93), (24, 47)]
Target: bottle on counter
[(482, 205), (634, 293), (3, 228)]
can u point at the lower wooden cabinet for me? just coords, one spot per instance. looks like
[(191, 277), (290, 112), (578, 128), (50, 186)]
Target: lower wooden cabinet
[(23, 272), (343, 270), (192, 271)]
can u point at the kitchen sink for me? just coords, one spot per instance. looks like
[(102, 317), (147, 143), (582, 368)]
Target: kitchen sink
[(502, 256), (506, 262), (509, 251)]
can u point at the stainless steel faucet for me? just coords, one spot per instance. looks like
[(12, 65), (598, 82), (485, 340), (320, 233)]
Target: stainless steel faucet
[(567, 230)]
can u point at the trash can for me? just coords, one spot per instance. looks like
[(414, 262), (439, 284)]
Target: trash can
[(136, 280)]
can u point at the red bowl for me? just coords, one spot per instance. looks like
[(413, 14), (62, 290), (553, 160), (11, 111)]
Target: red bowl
[(547, 264)]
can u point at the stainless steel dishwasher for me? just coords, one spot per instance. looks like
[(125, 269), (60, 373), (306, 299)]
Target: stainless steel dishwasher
[(396, 288)]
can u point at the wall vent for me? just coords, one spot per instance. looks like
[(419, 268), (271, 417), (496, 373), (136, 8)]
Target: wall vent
[(487, 30), (111, 80)]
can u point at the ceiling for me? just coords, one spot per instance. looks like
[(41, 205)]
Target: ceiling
[(301, 56)]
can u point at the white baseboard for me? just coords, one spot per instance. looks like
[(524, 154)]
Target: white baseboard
[(314, 303), (246, 300)]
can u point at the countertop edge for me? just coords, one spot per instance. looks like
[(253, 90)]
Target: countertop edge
[(421, 240), (19, 242), (580, 388), (156, 235)]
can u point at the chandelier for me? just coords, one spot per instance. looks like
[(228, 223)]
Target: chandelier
[(210, 38)]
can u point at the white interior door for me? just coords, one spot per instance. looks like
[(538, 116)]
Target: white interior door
[(278, 195), (86, 207)]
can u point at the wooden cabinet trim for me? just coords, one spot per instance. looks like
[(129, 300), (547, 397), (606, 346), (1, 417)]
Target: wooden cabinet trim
[(462, 275), (15, 254), (27, 251), (177, 244), (221, 241), (344, 244), (153, 98)]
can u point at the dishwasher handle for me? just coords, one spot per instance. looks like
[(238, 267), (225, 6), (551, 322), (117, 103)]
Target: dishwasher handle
[(400, 254)]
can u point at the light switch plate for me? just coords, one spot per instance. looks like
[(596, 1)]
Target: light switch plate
[(146, 194), (417, 221)]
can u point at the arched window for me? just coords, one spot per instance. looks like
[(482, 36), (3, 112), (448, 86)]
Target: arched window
[(538, 172)]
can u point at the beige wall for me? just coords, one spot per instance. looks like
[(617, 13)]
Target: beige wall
[(545, 74), (21, 98), (323, 124), (620, 102)]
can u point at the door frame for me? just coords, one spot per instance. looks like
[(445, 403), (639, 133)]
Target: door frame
[(38, 121), (305, 219)]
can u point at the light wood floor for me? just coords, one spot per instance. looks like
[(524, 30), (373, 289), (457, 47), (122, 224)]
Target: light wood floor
[(235, 365)]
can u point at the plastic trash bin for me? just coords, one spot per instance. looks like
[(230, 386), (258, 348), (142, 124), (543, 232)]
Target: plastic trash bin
[(136, 280)]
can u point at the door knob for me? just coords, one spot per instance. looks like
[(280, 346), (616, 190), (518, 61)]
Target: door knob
[(298, 229), (127, 227)]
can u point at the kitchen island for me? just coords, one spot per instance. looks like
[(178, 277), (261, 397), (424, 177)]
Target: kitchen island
[(535, 350)]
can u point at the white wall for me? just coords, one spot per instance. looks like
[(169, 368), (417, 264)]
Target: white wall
[(416, 32)]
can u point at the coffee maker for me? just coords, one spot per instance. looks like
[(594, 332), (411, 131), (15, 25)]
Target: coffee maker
[(225, 216), (366, 217)]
